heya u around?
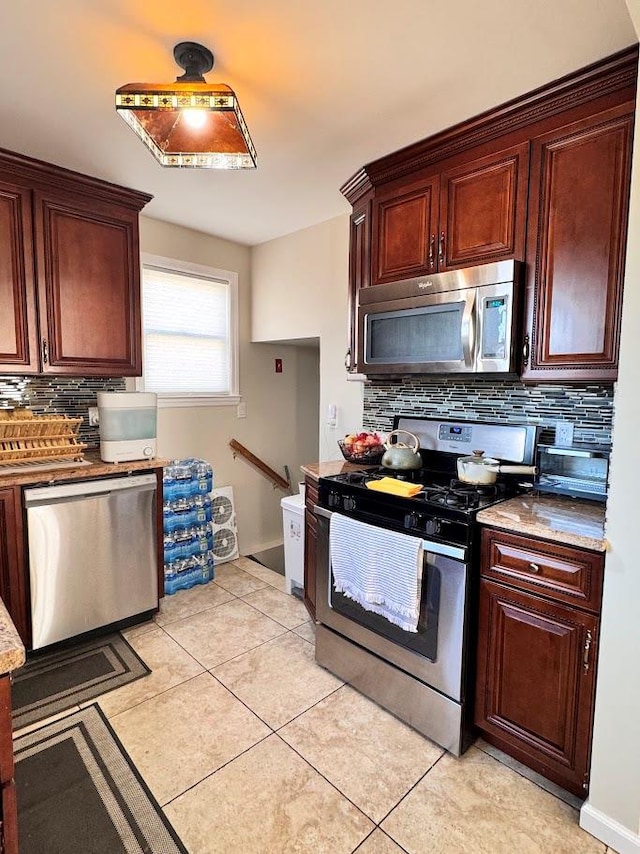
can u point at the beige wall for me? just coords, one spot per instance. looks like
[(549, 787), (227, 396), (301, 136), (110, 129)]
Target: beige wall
[(299, 290), (615, 774), (277, 404)]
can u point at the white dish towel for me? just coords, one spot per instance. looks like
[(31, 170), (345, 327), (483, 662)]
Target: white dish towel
[(380, 570)]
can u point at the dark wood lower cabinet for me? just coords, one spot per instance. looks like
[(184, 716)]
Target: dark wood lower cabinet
[(536, 678), (310, 540), (13, 581), (8, 804)]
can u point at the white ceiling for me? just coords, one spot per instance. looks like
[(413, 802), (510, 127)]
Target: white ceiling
[(325, 87)]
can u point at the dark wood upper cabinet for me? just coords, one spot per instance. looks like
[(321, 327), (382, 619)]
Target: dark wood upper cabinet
[(404, 232), (18, 332), (543, 178), (469, 214), (88, 287), (359, 272), (69, 272), (483, 208), (580, 178)]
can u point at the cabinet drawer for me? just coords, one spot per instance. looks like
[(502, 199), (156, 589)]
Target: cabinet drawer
[(310, 494), (558, 572)]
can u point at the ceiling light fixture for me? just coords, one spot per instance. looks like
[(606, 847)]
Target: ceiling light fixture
[(189, 122)]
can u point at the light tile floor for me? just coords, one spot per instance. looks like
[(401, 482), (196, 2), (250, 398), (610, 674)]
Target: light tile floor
[(251, 748)]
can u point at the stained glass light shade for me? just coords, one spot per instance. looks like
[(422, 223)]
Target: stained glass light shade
[(188, 124)]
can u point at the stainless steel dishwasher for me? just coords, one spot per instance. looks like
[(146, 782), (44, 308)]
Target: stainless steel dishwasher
[(92, 554)]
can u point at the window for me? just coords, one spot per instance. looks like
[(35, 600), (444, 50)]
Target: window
[(189, 328)]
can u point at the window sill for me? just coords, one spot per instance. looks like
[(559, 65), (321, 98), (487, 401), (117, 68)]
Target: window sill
[(170, 401)]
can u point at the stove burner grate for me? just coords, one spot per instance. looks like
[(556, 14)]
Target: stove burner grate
[(457, 494)]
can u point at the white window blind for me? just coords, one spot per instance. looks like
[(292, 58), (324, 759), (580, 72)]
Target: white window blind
[(188, 340)]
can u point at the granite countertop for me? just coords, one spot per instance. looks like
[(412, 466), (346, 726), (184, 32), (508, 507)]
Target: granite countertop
[(562, 520), (317, 470), (95, 468), (12, 653)]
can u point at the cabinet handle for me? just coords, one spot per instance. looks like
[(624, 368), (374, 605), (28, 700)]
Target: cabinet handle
[(432, 252), (534, 567), (45, 351), (525, 351), (441, 249), (587, 647), (347, 359)]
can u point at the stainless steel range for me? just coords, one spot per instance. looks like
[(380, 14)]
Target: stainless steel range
[(420, 672)]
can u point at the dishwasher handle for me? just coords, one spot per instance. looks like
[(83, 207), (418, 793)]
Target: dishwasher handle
[(87, 489)]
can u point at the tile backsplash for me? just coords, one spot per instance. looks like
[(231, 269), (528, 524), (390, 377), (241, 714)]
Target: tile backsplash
[(589, 407), (63, 395)]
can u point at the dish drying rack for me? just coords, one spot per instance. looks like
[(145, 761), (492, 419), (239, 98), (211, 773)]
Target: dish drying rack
[(40, 438)]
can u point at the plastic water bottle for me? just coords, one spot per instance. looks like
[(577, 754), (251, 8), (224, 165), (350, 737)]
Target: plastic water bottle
[(203, 477), (185, 482), (169, 483)]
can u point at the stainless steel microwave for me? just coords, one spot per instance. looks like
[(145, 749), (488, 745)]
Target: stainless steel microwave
[(463, 321)]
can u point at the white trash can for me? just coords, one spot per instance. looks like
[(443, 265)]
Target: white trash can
[(293, 527)]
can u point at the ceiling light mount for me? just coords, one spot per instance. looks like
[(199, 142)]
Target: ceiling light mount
[(190, 122), (195, 59)]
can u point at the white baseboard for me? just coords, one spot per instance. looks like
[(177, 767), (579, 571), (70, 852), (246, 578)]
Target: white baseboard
[(609, 831)]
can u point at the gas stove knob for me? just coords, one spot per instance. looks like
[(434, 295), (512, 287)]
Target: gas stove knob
[(411, 520), (432, 526), (349, 503), (333, 499)]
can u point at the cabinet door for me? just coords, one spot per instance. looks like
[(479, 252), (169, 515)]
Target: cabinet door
[(578, 220), (535, 682), (359, 272), (8, 803), (405, 224), (483, 208), (13, 582), (310, 542), (18, 330), (88, 286)]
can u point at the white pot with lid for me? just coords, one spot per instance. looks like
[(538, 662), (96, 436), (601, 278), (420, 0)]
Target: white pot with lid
[(483, 471)]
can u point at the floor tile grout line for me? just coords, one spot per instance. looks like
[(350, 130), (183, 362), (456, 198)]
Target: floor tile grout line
[(369, 835), (312, 706), (224, 765), (274, 730), (264, 614), (148, 699), (408, 792), (333, 785)]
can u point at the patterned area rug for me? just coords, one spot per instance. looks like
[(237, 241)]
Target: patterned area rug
[(78, 793), (56, 681)]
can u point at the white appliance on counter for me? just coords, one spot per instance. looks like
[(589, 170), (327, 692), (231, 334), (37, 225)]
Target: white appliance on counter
[(128, 425), (92, 554)]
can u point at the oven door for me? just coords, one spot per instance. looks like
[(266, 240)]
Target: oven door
[(433, 654), (426, 334)]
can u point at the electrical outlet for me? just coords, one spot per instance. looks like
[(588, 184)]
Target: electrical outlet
[(564, 433), (94, 417), (241, 411)]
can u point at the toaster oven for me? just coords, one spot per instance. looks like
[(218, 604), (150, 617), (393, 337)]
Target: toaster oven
[(580, 472)]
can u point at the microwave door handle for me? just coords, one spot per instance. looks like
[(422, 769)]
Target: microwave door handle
[(467, 330)]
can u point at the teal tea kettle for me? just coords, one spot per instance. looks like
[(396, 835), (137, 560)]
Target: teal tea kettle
[(400, 456)]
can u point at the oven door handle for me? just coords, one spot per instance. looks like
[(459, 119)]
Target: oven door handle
[(456, 552)]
